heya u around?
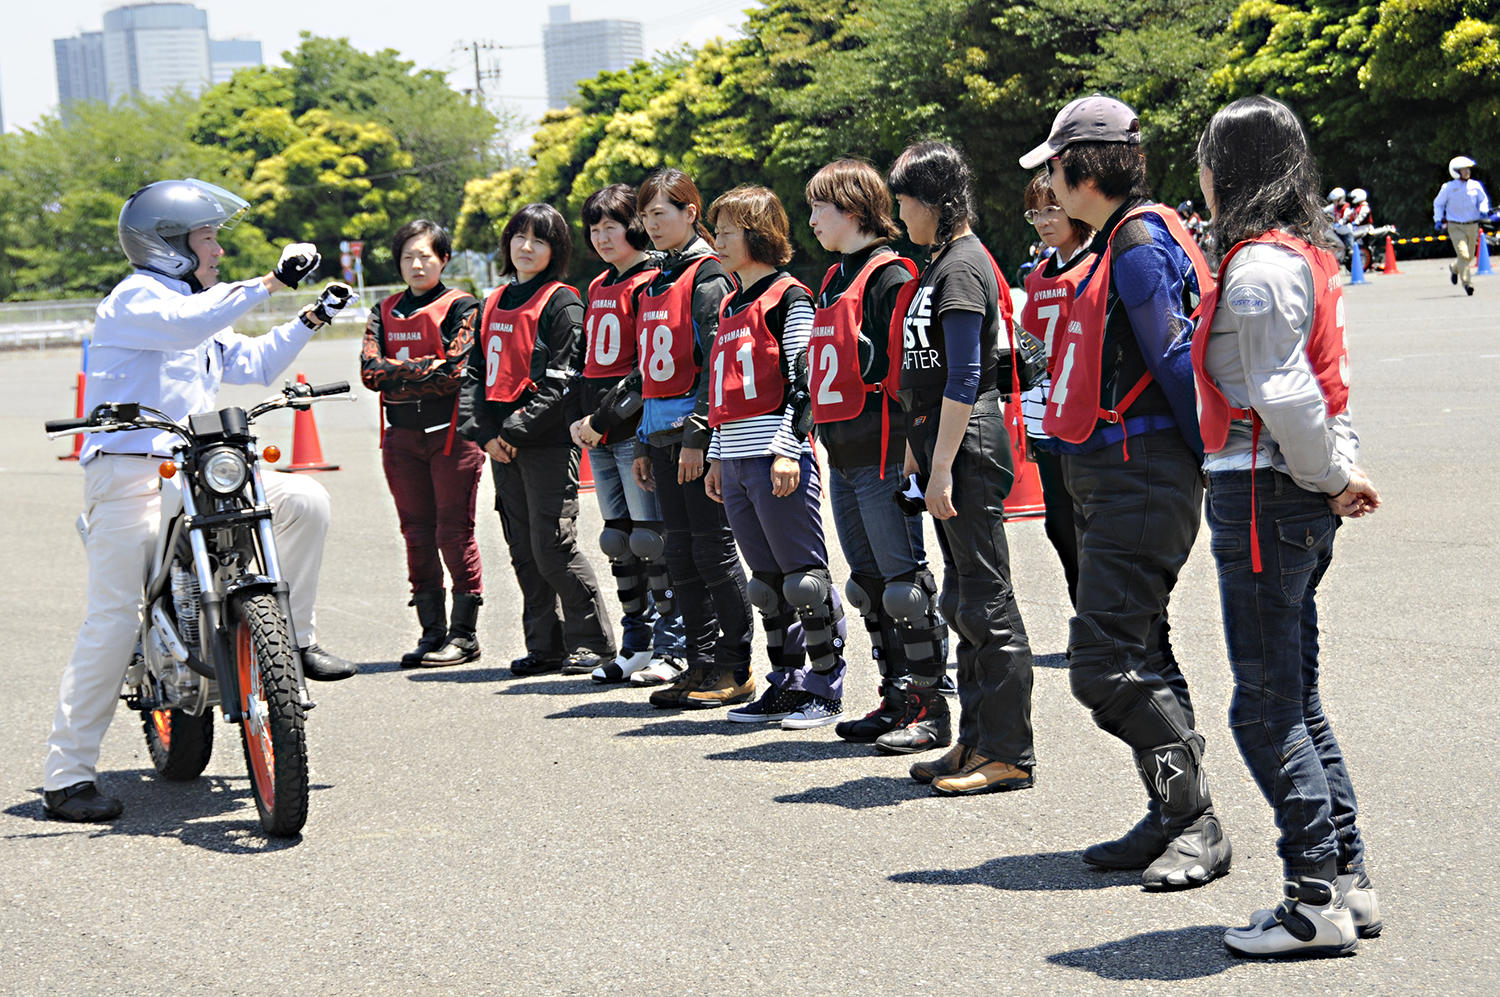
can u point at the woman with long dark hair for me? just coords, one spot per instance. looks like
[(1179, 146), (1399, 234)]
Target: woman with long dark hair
[(529, 334), (951, 376), (677, 320), (1273, 385)]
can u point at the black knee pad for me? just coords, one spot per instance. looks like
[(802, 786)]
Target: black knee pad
[(764, 591), (864, 593), (912, 604), (810, 593), (649, 545)]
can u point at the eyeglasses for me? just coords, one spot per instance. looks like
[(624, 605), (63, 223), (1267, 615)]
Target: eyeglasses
[(1034, 215)]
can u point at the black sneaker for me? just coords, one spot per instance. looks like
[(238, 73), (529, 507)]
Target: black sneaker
[(930, 725), (535, 664), (80, 803), (774, 704)]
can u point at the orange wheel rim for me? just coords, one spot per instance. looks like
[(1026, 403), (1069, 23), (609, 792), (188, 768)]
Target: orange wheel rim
[(256, 721), (161, 720)]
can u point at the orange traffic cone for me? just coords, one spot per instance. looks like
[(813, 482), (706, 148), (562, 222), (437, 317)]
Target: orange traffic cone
[(78, 411), (1025, 498), (1390, 257), (307, 452), (585, 472)]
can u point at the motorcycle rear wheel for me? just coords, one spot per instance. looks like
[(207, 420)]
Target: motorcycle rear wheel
[(180, 743), (272, 728)]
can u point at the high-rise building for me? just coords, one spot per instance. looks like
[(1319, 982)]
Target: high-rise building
[(578, 50), (80, 68), (150, 49), (231, 55)]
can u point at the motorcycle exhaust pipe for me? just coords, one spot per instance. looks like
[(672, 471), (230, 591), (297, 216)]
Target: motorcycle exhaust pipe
[(162, 627)]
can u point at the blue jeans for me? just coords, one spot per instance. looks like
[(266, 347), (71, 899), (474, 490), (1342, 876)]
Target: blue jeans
[(877, 537), (1271, 630), (621, 498)]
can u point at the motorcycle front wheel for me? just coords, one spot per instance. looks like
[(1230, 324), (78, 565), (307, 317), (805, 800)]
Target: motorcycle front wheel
[(180, 743), (272, 728)]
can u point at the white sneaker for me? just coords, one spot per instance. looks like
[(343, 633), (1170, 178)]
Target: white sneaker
[(659, 672), (1311, 921), (624, 666)]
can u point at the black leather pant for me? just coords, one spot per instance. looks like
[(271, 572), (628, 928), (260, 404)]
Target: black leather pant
[(994, 658), (1137, 520)]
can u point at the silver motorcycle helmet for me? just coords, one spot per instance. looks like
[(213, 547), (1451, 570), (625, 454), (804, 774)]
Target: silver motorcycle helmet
[(156, 220)]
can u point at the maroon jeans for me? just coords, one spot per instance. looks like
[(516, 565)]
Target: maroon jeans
[(435, 502)]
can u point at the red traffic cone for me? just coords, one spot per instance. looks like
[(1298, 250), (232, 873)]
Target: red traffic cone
[(585, 472), (78, 411), (1025, 498), (307, 452), (1390, 257)]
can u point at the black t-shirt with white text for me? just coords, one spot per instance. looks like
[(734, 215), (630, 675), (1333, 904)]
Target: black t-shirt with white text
[(961, 278)]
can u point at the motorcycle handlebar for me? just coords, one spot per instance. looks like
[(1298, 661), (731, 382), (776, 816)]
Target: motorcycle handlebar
[(331, 388), (64, 425)]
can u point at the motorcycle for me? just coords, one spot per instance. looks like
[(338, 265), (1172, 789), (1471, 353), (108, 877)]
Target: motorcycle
[(1368, 240), (216, 628)]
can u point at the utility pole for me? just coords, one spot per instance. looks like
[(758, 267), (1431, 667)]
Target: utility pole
[(481, 75)]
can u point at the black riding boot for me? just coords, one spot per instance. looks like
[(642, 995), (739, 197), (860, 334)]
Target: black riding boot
[(1196, 849), (463, 639), (432, 613)]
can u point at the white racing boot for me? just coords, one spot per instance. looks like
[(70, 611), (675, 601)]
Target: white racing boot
[(1312, 921)]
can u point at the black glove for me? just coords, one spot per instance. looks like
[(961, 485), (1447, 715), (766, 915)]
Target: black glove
[(798, 398), (909, 495), (297, 261), (334, 299)]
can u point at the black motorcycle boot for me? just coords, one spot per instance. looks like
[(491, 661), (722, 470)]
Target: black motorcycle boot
[(1197, 850), (891, 714), (1138, 848), (927, 725), (320, 666), (432, 613), (463, 638), (80, 803)]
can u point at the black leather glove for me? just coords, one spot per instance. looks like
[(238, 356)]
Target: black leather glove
[(297, 261)]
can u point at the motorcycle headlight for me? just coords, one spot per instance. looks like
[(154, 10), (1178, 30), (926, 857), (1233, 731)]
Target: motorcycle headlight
[(224, 472)]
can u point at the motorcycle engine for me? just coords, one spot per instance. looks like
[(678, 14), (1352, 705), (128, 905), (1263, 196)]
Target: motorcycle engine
[(185, 603)]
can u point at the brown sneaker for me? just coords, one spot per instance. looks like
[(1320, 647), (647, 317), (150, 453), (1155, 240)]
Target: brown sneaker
[(669, 697), (719, 689), (981, 775), (951, 762)]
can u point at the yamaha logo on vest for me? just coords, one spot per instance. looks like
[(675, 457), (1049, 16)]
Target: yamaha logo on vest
[(660, 316), (603, 303), (399, 336), (502, 327), (1052, 292)]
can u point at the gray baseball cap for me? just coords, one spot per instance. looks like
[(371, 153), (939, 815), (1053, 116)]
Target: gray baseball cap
[(1096, 118)]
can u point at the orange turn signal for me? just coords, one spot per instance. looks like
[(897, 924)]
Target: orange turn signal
[(272, 453), (167, 469)]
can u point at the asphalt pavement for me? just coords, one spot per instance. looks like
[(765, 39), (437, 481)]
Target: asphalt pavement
[(474, 833)]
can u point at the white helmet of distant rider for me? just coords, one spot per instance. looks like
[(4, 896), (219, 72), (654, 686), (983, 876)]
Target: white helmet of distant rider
[(1460, 163)]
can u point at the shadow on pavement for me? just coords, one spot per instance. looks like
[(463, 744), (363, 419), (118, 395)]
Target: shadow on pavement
[(1178, 954), (567, 685), (1045, 872), (691, 722), (1059, 660), (783, 750), (456, 673), (865, 793), (605, 708), (197, 813)]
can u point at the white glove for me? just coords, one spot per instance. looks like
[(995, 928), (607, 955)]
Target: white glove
[(334, 299), (297, 261)]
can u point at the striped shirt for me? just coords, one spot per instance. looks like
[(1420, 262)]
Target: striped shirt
[(771, 433)]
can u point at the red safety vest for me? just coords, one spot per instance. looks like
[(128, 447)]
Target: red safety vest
[(1049, 302), (838, 390), (1327, 353), (667, 347), (1073, 409), (508, 338), (419, 334), (415, 336), (609, 325), (745, 362)]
